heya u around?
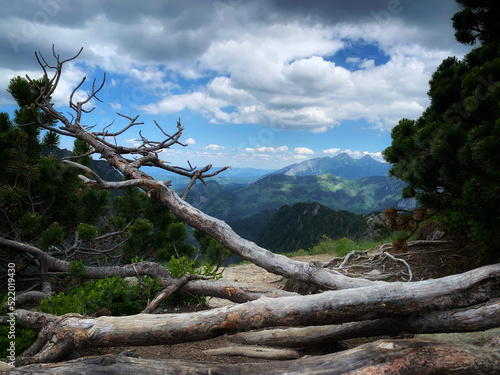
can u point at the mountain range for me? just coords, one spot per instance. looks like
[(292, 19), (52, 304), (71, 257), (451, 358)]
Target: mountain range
[(292, 207), (361, 196), (341, 165)]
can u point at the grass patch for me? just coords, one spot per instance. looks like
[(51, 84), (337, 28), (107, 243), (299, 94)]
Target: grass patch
[(337, 248), (342, 246)]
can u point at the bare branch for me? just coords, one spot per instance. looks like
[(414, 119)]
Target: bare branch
[(78, 156), (98, 182), (130, 124)]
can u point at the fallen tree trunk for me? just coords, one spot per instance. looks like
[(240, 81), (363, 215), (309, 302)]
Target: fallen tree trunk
[(232, 291), (382, 301), (469, 319), (416, 356)]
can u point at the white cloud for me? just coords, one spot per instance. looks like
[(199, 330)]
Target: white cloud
[(214, 147), (303, 151), (300, 157), (354, 154), (261, 79), (190, 141), (264, 149), (333, 151), (133, 141), (267, 66)]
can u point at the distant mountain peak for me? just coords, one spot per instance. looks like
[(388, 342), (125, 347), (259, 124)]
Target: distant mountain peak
[(341, 156), (341, 165)]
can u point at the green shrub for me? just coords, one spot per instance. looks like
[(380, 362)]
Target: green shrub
[(77, 269), (23, 337), (344, 246), (86, 231), (178, 267), (113, 293), (53, 235)]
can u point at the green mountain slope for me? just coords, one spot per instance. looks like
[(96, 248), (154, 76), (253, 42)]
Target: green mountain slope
[(360, 196), (302, 225), (341, 165)]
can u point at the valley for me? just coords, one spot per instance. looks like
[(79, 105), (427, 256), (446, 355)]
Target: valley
[(302, 202)]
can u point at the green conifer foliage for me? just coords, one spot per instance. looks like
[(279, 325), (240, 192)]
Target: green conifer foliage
[(449, 156), (41, 200)]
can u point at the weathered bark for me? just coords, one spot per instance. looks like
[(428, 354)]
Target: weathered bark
[(416, 356), (254, 352), (298, 337), (469, 319), (233, 291), (333, 307)]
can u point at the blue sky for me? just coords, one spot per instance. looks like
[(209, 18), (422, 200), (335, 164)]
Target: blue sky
[(256, 83)]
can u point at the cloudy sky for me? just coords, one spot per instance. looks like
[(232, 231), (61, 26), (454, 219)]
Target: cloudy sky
[(257, 83)]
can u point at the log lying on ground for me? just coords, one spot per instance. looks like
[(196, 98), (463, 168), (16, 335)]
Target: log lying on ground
[(415, 356), (382, 301), (233, 291), (469, 319)]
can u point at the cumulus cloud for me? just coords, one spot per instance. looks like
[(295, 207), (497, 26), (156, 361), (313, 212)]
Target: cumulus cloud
[(333, 151), (282, 64), (303, 151), (263, 79), (190, 141), (264, 149), (300, 157), (214, 147)]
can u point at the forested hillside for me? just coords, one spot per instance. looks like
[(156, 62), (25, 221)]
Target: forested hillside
[(302, 225), (271, 192)]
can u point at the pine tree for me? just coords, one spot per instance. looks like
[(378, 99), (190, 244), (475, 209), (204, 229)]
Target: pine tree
[(40, 198), (43, 202), (449, 156)]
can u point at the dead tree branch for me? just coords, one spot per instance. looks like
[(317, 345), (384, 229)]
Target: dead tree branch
[(468, 319), (216, 229), (232, 291)]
